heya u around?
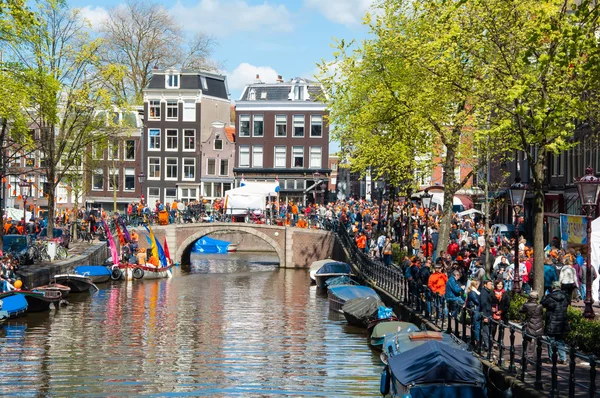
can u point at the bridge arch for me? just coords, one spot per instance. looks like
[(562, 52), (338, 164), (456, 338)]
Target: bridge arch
[(185, 247)]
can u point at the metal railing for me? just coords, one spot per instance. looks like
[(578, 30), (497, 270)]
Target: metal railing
[(577, 379)]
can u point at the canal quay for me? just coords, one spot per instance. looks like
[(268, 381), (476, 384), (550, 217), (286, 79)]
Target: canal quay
[(227, 325)]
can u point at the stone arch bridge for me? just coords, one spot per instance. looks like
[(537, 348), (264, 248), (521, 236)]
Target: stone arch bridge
[(295, 247)]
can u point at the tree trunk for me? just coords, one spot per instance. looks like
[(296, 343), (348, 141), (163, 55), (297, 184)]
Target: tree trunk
[(538, 220), (449, 182), (51, 200)]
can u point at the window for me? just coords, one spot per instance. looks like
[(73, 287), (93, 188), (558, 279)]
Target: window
[(298, 125), (154, 192), (218, 144), (172, 108), (189, 168), (224, 170), (172, 81), (299, 93), (129, 180), (98, 180), (280, 153), (154, 168), (113, 180), (244, 125), (189, 140), (113, 151), (207, 187), (280, 125), (172, 140), (189, 111), (171, 169), (298, 156), (252, 95), (257, 156), (154, 108), (258, 126), (188, 194), (316, 126), (129, 150), (315, 157), (211, 165), (244, 156), (203, 81), (170, 195), (154, 140)]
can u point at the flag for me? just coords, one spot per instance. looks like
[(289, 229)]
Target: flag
[(125, 231), (120, 234), (154, 247), (167, 249), (161, 254), (111, 243), (242, 181)]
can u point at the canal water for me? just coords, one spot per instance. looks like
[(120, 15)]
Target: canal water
[(231, 325)]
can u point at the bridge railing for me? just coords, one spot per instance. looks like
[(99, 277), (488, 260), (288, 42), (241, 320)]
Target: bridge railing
[(505, 344)]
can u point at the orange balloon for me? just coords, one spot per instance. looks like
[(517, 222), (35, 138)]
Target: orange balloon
[(18, 284)]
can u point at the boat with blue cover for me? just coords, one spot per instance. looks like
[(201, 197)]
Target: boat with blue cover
[(97, 273), (430, 364), (382, 329), (332, 269), (13, 304), (208, 245), (339, 295)]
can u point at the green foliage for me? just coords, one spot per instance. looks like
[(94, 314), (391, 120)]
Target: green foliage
[(398, 254), (584, 334), (516, 302)]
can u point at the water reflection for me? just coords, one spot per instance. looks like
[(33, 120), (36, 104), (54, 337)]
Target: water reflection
[(234, 325)]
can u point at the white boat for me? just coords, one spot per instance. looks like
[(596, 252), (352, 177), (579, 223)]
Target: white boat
[(136, 271)]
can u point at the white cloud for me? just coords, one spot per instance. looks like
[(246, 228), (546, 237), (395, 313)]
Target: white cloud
[(345, 12), (94, 15), (245, 74), (222, 17)]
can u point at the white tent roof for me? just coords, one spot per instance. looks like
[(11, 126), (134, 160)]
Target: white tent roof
[(595, 244), (256, 188)]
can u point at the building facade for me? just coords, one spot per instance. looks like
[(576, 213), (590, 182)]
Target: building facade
[(218, 157), (179, 109), (282, 134)]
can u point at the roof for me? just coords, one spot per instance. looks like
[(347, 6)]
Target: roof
[(230, 133), (280, 91), (216, 85)]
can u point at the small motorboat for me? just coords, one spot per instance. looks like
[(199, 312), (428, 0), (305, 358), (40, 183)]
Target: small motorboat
[(382, 329), (97, 273), (77, 283), (331, 270), (362, 310), (136, 271), (13, 304), (317, 265), (232, 248), (55, 287), (430, 364), (340, 280), (339, 295), (40, 301), (208, 245)]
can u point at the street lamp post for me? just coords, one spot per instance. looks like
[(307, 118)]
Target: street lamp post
[(426, 201), (588, 187), (517, 193), (24, 184), (316, 179), (141, 178)]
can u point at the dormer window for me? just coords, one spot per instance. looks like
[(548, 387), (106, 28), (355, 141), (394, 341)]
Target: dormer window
[(252, 95), (172, 81), (204, 84), (263, 95), (299, 93)]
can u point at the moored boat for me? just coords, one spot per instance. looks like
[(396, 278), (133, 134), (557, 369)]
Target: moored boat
[(382, 329), (77, 283), (315, 266), (362, 310), (97, 273), (55, 287), (339, 295), (13, 304), (430, 364), (40, 301), (136, 271), (331, 270)]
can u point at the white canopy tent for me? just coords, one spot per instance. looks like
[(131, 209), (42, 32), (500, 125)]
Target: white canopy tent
[(595, 244), (251, 196)]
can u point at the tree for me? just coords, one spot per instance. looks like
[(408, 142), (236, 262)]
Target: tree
[(538, 60), (141, 35), (68, 87)]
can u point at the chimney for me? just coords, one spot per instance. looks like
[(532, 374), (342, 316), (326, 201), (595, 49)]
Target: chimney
[(155, 67), (279, 79)]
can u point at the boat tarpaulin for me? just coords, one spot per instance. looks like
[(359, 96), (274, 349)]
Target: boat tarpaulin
[(448, 391), (436, 362), (340, 280), (208, 245), (383, 328), (334, 267), (362, 309), (92, 270), (347, 292)]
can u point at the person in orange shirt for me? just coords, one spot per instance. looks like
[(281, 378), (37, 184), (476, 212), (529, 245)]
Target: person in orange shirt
[(361, 241), (301, 223), (437, 280)]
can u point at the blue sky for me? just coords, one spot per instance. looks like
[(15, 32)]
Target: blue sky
[(268, 37)]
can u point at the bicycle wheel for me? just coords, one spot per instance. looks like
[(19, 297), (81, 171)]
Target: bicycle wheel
[(61, 253)]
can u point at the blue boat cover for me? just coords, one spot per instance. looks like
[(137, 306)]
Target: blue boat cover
[(92, 270), (340, 280), (446, 391), (208, 245), (349, 292), (334, 268), (14, 303), (436, 362)]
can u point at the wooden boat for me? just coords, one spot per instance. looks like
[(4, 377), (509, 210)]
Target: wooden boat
[(362, 310), (40, 301), (430, 364), (382, 329), (97, 273), (331, 270), (13, 304), (136, 271), (77, 283), (338, 295), (55, 287)]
